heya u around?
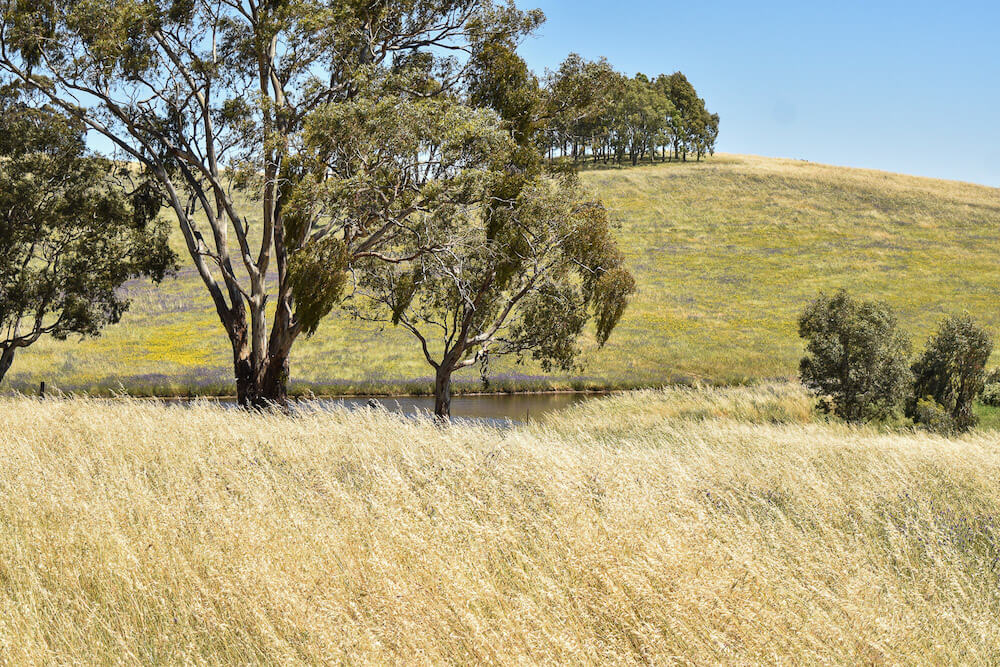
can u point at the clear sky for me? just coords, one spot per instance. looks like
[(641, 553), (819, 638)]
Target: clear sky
[(905, 86)]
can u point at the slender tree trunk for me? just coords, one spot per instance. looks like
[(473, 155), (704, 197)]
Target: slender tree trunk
[(6, 359), (442, 393), (243, 370)]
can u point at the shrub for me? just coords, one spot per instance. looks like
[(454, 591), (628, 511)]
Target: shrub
[(991, 394), (932, 416), (856, 358), (952, 370)]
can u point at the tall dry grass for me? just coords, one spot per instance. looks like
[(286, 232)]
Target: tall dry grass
[(678, 526)]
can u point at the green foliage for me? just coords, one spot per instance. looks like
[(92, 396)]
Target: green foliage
[(952, 370), (607, 284), (610, 296), (395, 161), (594, 108), (571, 234), (550, 322), (400, 295), (71, 236), (317, 276), (932, 416), (856, 357), (465, 305), (499, 79), (991, 394), (639, 115)]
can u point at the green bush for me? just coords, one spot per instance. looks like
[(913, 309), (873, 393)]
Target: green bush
[(952, 370), (991, 394), (856, 357), (933, 417)]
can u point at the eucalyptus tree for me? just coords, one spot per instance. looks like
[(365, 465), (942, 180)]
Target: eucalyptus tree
[(70, 235), (639, 114), (684, 99), (505, 260), (579, 96), (711, 134), (210, 98), (692, 127), (528, 292)]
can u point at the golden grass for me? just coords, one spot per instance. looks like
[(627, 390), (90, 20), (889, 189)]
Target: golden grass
[(690, 526)]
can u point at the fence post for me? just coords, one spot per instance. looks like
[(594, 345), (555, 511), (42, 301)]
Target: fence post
[(41, 390)]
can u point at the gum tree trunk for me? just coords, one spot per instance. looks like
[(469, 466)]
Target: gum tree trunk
[(442, 393), (260, 385), (274, 385), (263, 387), (6, 359)]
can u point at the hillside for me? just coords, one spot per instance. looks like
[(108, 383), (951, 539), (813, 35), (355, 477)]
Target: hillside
[(726, 252), (703, 527)]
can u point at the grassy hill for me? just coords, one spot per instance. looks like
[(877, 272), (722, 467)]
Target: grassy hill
[(699, 527), (726, 253)]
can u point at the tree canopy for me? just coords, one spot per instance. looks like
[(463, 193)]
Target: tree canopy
[(856, 357), (612, 117), (508, 261), (527, 292), (72, 235), (951, 372)]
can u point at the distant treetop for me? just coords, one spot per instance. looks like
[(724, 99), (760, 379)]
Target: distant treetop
[(599, 113)]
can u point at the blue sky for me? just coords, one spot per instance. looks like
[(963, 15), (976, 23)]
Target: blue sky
[(905, 86)]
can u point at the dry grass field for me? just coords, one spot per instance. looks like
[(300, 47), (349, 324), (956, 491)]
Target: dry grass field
[(688, 526), (726, 253)]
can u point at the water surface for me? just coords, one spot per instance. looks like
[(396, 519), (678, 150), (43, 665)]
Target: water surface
[(517, 408), (494, 409)]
